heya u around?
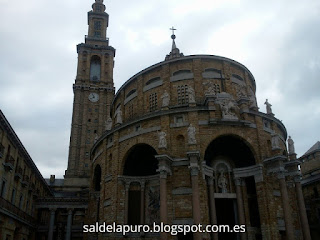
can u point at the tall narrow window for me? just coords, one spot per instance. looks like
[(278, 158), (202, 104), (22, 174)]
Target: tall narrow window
[(95, 69), (182, 94), (153, 102), (13, 196), (3, 188)]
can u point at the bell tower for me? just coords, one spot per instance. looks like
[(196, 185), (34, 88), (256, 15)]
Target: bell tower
[(93, 93)]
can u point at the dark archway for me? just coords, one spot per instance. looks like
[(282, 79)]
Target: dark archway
[(97, 178), (231, 147), (141, 161)]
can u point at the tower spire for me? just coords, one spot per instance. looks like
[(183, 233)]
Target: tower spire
[(98, 21), (175, 52)]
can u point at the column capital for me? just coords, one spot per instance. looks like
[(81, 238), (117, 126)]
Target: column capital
[(127, 186), (281, 175), (70, 211), (52, 210), (238, 182), (193, 154), (194, 170), (164, 165), (142, 184), (210, 180), (297, 179)]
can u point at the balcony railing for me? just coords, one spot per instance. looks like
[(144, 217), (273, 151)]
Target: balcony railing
[(21, 215), (9, 163), (18, 174), (25, 180)]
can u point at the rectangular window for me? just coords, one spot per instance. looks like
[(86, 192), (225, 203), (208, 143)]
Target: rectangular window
[(182, 92), (97, 33), (3, 188), (97, 25), (13, 196), (20, 201), (153, 102), (130, 110)]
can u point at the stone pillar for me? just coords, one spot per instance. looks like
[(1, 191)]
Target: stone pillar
[(302, 210), (194, 171), (242, 221), (164, 169), (213, 212), (126, 203), (51, 223), (142, 187), (69, 224), (163, 202), (286, 207)]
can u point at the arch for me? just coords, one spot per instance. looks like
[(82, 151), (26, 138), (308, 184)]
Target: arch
[(97, 178), (95, 68), (140, 161), (233, 147)]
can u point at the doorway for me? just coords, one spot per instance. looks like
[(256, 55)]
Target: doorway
[(226, 215)]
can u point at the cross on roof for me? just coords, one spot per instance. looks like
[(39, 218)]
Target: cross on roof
[(173, 29)]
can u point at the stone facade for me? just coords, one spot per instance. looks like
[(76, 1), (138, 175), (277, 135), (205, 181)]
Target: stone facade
[(20, 187), (310, 169)]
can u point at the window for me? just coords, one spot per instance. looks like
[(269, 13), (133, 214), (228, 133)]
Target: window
[(13, 196), (138, 127), (179, 119), (20, 201), (153, 102), (95, 68), (182, 94), (97, 25), (3, 188)]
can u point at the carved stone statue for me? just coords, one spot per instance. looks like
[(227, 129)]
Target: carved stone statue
[(108, 123), (222, 182), (268, 105), (192, 134), (227, 106), (191, 95), (165, 99), (118, 115), (162, 140), (96, 138), (291, 146), (275, 141)]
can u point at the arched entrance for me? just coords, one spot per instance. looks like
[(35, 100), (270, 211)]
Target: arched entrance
[(142, 185), (234, 199)]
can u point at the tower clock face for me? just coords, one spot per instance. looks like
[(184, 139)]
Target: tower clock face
[(94, 97)]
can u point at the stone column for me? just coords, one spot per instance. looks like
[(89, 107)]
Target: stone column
[(194, 171), (69, 224), (51, 223), (164, 170), (163, 202), (302, 210), (242, 221), (126, 203), (213, 212), (142, 202), (286, 207)]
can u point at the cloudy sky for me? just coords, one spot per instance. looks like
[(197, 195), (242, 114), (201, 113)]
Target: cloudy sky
[(277, 40)]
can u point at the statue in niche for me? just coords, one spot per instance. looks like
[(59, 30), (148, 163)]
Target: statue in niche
[(253, 100), (165, 99), (108, 123), (268, 106), (162, 140), (291, 146), (191, 95), (227, 106), (118, 115), (222, 182), (96, 138), (275, 141), (192, 134)]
